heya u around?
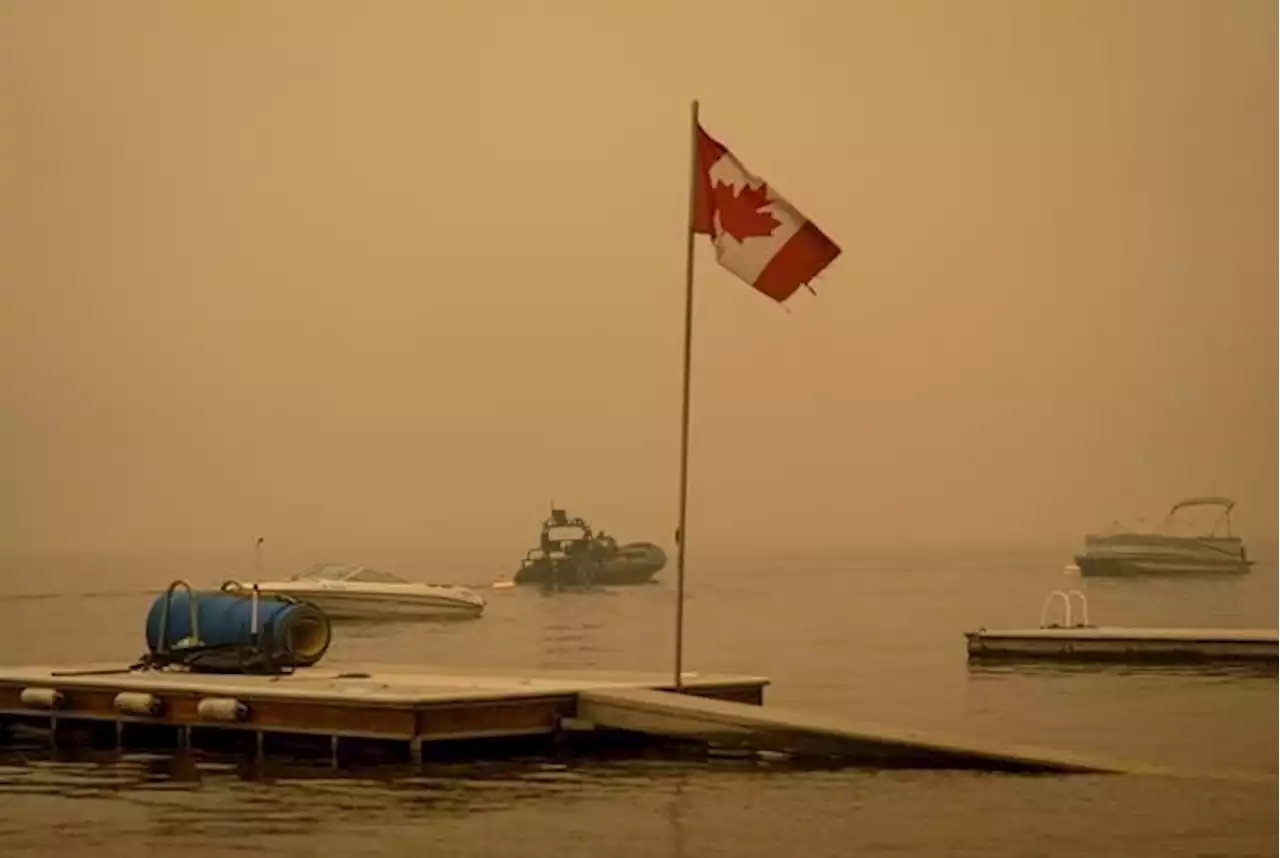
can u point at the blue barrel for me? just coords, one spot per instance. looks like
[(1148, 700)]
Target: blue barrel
[(298, 631)]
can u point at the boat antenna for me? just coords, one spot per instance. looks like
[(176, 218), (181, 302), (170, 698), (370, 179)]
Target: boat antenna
[(257, 558)]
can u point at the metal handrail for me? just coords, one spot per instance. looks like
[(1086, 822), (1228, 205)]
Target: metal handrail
[(1066, 602), (1084, 608)]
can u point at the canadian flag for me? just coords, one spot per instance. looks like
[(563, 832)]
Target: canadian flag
[(758, 235)]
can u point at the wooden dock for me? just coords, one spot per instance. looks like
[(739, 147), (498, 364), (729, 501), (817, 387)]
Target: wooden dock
[(726, 724), (410, 707), (415, 714), (1103, 643)]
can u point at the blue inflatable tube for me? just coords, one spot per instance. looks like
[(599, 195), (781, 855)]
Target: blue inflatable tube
[(288, 629)]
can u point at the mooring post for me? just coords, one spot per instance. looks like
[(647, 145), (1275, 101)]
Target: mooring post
[(415, 750)]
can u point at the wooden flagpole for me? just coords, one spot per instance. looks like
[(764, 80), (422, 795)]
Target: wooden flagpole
[(682, 536)]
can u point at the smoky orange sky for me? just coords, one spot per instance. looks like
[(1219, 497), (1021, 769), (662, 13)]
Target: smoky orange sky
[(402, 273)]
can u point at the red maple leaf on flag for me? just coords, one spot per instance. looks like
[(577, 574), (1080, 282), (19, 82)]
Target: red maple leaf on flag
[(741, 212)]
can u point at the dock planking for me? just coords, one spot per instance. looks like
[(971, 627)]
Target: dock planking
[(730, 724)]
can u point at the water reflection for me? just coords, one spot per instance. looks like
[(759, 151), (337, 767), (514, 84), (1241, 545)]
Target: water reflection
[(650, 807), (182, 795), (675, 816)]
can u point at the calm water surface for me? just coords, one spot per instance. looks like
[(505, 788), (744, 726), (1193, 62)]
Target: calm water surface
[(876, 638)]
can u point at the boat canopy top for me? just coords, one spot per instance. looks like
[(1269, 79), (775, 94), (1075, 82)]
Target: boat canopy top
[(1205, 500), (1172, 523), (344, 572)]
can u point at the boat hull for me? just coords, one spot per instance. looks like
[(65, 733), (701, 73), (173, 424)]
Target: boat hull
[(1158, 554), (635, 563), (365, 606), (1098, 566)]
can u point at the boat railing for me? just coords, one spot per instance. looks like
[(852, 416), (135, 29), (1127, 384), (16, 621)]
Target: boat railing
[(1064, 596)]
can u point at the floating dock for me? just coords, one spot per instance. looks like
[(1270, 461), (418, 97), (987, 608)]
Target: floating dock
[(411, 715), (1082, 641), (383, 704), (1103, 643)]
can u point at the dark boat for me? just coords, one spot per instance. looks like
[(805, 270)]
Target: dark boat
[(570, 555)]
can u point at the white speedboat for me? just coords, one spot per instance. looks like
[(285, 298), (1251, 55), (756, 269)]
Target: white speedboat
[(360, 593), (1165, 551)]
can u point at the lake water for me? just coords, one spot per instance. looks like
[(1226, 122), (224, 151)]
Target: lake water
[(866, 636)]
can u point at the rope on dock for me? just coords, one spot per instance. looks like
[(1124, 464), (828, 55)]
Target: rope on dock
[(223, 658)]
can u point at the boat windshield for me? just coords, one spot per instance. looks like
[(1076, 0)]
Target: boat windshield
[(568, 533), (340, 572), (375, 576)]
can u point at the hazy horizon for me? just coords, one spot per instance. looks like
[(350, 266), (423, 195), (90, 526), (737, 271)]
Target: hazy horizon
[(400, 278)]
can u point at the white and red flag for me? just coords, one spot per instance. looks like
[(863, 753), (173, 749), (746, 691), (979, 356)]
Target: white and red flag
[(758, 235)]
